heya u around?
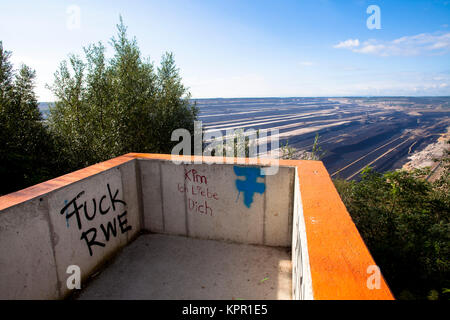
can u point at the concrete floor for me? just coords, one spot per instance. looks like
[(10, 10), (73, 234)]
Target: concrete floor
[(169, 267)]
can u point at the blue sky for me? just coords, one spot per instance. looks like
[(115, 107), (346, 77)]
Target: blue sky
[(251, 48)]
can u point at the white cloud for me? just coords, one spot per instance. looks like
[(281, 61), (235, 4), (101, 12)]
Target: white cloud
[(420, 44), (350, 43)]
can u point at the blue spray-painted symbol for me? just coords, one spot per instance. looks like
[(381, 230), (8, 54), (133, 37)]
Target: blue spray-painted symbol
[(249, 186)]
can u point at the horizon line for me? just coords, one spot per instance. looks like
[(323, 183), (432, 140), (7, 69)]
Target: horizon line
[(291, 97)]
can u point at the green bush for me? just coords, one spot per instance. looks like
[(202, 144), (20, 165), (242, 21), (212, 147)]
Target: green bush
[(404, 221)]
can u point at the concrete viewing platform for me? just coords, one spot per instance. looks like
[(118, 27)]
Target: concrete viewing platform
[(159, 266), (153, 226)]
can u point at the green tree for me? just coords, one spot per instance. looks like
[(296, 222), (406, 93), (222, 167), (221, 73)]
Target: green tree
[(174, 109), (108, 107), (6, 75), (404, 221), (26, 147)]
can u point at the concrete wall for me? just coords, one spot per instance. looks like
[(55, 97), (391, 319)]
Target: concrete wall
[(41, 237), (203, 201), (338, 259), (84, 218), (301, 273), (27, 263)]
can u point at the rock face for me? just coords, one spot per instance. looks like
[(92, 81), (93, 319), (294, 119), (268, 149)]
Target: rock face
[(431, 156)]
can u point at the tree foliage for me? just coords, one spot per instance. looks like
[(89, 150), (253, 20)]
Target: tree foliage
[(290, 153), (27, 154), (404, 221), (108, 107), (104, 107)]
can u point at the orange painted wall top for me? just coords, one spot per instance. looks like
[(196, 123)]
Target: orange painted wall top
[(43, 188), (337, 254)]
